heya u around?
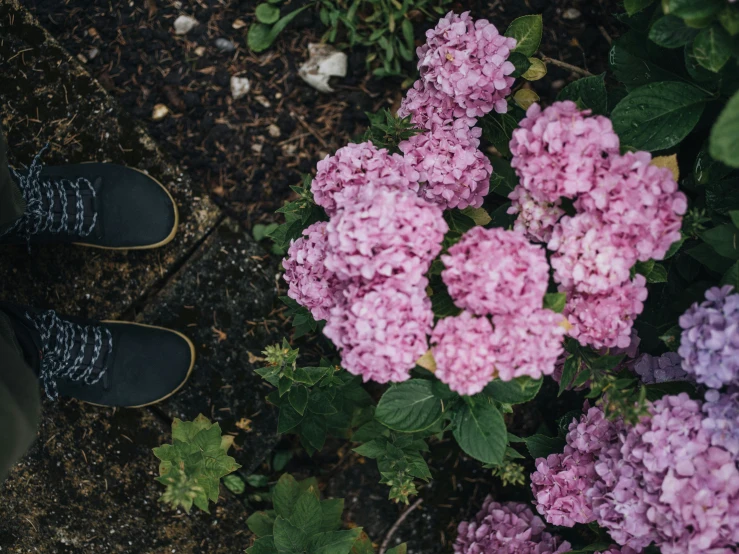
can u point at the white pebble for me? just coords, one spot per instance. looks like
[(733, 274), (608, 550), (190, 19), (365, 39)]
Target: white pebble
[(184, 24), (240, 86)]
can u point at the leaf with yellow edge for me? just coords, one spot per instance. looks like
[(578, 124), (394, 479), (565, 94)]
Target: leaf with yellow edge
[(478, 215), (670, 162), (427, 361), (525, 97), (537, 70)]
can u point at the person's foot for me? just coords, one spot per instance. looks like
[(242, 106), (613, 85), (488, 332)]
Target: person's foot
[(103, 363), (96, 204)]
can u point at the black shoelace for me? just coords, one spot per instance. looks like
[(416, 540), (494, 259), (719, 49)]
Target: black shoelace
[(59, 206), (71, 351)]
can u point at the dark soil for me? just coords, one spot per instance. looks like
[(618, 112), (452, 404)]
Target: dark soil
[(226, 143)]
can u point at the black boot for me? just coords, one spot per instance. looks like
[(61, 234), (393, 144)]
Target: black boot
[(96, 204), (103, 363)]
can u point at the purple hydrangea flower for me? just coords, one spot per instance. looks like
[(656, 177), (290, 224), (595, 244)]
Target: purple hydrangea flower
[(660, 369), (341, 177), (452, 171), (463, 352), (381, 329), (311, 284), (494, 271), (384, 233), (467, 60), (721, 421), (508, 528), (558, 151), (709, 344)]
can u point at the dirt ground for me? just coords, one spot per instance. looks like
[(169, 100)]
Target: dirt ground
[(249, 151)]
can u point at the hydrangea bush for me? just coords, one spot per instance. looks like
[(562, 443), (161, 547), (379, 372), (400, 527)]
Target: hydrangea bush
[(479, 243)]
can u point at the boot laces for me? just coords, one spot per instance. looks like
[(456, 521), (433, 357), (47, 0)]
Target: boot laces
[(71, 351), (54, 205)]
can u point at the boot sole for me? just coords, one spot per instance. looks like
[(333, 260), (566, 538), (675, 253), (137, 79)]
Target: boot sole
[(177, 389), (159, 244)]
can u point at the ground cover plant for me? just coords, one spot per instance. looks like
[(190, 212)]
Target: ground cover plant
[(478, 243)]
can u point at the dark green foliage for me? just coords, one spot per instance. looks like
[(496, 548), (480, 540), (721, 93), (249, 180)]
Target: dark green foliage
[(193, 465), (388, 131)]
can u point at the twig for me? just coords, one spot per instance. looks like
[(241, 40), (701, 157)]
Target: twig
[(401, 519), (313, 132), (565, 65)]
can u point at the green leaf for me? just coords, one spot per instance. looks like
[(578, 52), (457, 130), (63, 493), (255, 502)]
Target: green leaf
[(731, 277), (400, 549), (288, 419), (498, 129), (540, 446), (313, 430), (655, 391), (459, 221), (285, 495), (261, 523), (372, 449), (288, 538), (634, 6), (410, 406), (298, 397), (261, 36), (724, 146), (334, 542), (520, 62), (515, 391), (658, 116), (729, 18), (670, 31), (527, 31), (481, 432), (264, 545), (234, 483), (707, 257), (555, 301), (307, 514), (723, 239), (503, 179), (712, 48), (589, 93), (569, 371), (632, 65), (694, 9), (268, 14), (606, 363), (331, 512)]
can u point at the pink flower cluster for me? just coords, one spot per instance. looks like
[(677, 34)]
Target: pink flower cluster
[(496, 273), (464, 75), (672, 479), (508, 528), (561, 481), (364, 270), (627, 210), (452, 171)]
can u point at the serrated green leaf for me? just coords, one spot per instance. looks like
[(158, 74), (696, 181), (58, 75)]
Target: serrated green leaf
[(288, 538), (410, 406), (331, 512), (658, 116), (288, 419), (298, 397), (569, 371), (400, 549), (261, 523), (527, 31), (333, 542), (481, 432), (589, 93), (724, 146), (264, 545), (540, 446), (372, 449), (515, 391), (307, 514), (313, 430), (555, 301), (285, 495)]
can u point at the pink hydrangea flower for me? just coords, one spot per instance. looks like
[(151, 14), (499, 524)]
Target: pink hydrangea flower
[(463, 352), (452, 171), (527, 343), (560, 483), (615, 549), (589, 254), (721, 420), (557, 151), (593, 432), (535, 219), (642, 200), (467, 60), (341, 177), (494, 271), (508, 528), (384, 232), (430, 108), (310, 284), (605, 320), (381, 329), (664, 482)]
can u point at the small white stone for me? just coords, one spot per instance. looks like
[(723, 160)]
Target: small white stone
[(273, 130), (324, 62), (240, 86), (159, 112), (200, 51), (263, 101), (92, 53), (571, 13), (225, 45), (184, 24), (238, 24), (256, 148)]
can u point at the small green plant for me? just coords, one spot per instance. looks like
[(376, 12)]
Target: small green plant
[(192, 466), (301, 523), (384, 27)]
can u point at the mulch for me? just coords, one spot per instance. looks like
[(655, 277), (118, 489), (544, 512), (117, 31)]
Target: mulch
[(247, 152)]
